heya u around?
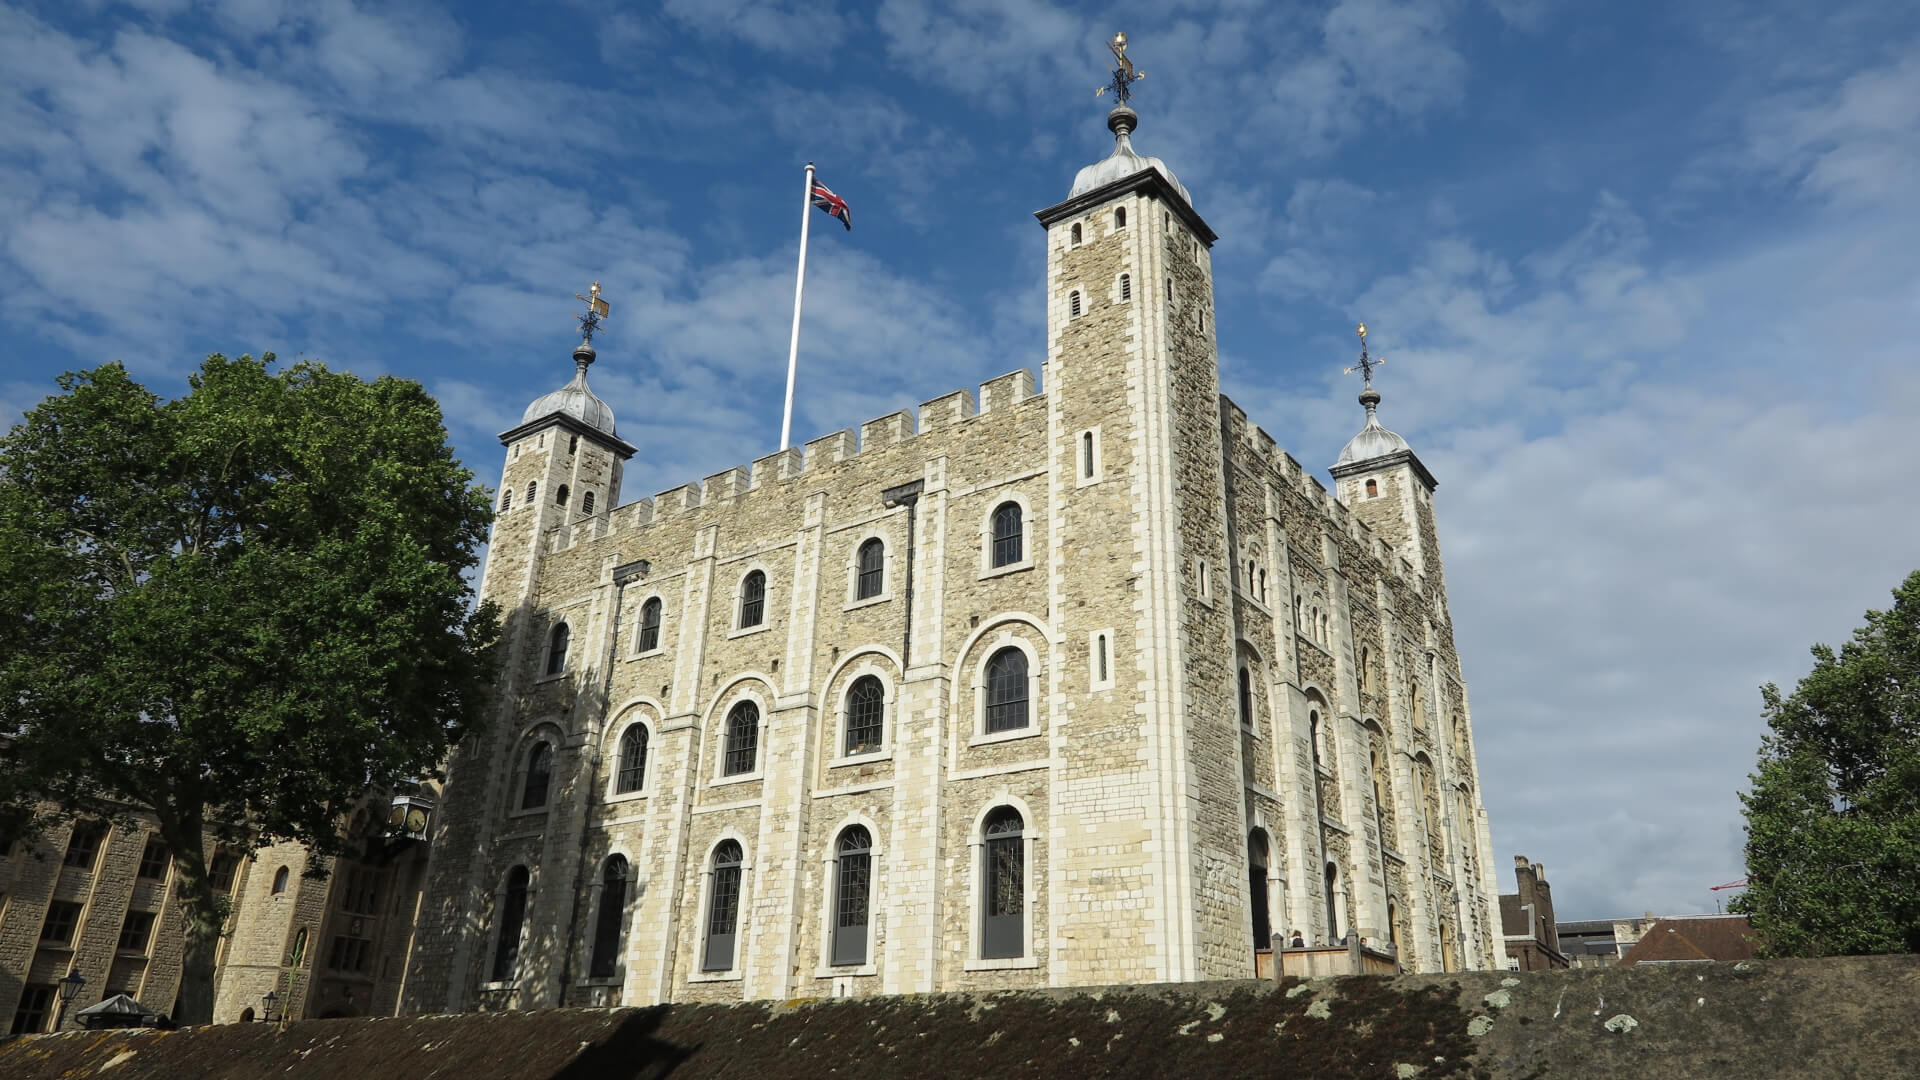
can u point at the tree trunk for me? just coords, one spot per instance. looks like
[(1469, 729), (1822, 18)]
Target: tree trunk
[(204, 912)]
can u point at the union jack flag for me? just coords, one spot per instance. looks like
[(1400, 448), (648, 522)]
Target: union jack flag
[(834, 205)]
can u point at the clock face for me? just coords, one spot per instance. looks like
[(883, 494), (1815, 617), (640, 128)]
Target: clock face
[(416, 820), (396, 816)]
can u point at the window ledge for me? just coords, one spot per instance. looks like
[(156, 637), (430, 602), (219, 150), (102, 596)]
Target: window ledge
[(857, 971), (555, 677), (868, 758), (1012, 963), (600, 980), (528, 811), (1027, 732), (656, 651), (748, 631), (626, 796), (734, 975), (855, 605), (496, 986), (737, 778), (1010, 568)]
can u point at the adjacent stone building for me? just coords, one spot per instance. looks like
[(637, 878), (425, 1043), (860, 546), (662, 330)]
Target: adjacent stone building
[(1081, 686)]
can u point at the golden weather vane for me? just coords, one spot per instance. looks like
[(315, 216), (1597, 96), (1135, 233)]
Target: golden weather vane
[(1366, 363), (1123, 74), (597, 309)]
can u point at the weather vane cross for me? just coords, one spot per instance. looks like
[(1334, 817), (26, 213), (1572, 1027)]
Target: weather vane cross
[(1123, 74), (597, 309), (1366, 363)]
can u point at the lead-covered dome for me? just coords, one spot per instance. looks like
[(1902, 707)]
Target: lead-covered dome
[(574, 399), (1123, 162), (1373, 441)]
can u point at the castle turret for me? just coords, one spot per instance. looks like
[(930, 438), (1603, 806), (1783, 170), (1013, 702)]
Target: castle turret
[(1386, 484)]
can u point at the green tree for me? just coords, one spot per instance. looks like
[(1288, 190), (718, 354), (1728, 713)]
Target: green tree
[(238, 611), (1833, 820)]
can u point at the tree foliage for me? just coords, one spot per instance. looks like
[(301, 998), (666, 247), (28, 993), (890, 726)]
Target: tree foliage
[(1833, 820), (237, 611)]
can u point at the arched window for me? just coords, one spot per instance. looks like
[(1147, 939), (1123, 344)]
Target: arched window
[(1257, 889), (606, 927), (513, 917), (557, 648), (1073, 304), (743, 738), (506, 500), (1003, 880), (633, 760), (1086, 454), (533, 794), (1006, 534), (1419, 714), (573, 445), (1126, 286), (1373, 489), (1393, 927), (1006, 690), (586, 503), (873, 568), (1366, 670), (1120, 218), (1333, 905), (1169, 290), (866, 715), (1100, 658), (852, 893), (1073, 236), (279, 881), (1313, 736), (533, 488), (753, 599), (1246, 698), (1263, 586), (560, 495), (649, 625), (723, 908)]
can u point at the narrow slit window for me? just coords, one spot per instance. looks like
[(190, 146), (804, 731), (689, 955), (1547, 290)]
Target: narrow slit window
[(586, 503), (1073, 236), (560, 495), (506, 500), (1120, 218), (1246, 699), (1073, 304), (533, 488), (1126, 286), (1100, 657), (1086, 454), (573, 445)]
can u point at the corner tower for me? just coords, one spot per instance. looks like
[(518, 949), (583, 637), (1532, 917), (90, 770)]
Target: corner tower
[(1386, 484)]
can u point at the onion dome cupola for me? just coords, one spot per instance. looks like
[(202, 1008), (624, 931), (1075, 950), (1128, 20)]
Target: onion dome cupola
[(575, 406), (1375, 448)]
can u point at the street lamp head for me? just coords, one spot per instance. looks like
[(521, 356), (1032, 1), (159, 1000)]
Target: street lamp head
[(268, 1002), (70, 985)]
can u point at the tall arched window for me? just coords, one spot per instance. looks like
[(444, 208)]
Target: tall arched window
[(873, 569), (743, 738), (560, 495), (533, 794), (1120, 217), (1414, 703), (506, 500), (1333, 905), (1003, 880), (866, 715), (1313, 736), (753, 599), (633, 760), (852, 894), (1086, 454), (1393, 927), (606, 927), (649, 625), (723, 908), (573, 445), (1257, 889), (1006, 534), (1126, 286), (1246, 699), (557, 649), (586, 503), (279, 881), (1006, 691), (513, 917), (533, 488), (1073, 236)]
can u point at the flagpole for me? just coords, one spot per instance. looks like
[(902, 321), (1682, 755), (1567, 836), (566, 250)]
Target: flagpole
[(799, 286)]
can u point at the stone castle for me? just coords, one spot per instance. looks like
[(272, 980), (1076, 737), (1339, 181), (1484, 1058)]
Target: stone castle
[(1087, 686)]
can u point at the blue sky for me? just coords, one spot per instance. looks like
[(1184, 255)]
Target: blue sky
[(1645, 275)]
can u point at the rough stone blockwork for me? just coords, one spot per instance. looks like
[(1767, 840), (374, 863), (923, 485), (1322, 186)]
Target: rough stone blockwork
[(1818, 1018)]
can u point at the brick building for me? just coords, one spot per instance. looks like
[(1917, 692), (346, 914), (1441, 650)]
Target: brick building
[(1085, 686), (1527, 921)]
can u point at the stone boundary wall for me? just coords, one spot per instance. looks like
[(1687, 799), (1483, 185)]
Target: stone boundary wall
[(1756, 1019)]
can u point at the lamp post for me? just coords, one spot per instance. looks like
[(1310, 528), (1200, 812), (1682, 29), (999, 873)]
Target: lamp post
[(268, 1003), (70, 985)]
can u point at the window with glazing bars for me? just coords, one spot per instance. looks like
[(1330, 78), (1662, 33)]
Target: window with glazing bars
[(557, 649), (853, 877), (633, 760), (513, 915), (753, 599), (62, 917), (1246, 699), (1003, 878), (539, 776), (220, 873), (35, 1008), (743, 738), (649, 626), (723, 908), (83, 846), (606, 928), (1006, 691), (1006, 534), (866, 715), (153, 859), (873, 562)]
